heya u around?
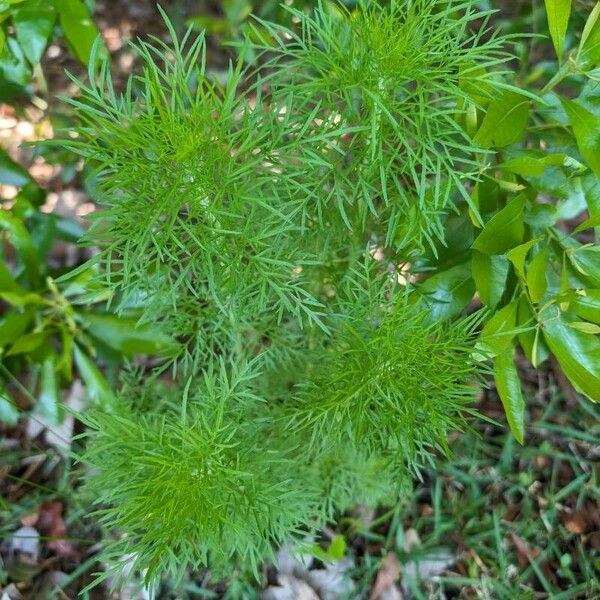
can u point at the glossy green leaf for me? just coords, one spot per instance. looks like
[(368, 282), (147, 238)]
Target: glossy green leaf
[(589, 44), (12, 173), (499, 332), (572, 198), (124, 335), (447, 293), (590, 23), (590, 185), (9, 413), (49, 398), (504, 230), (7, 281), (78, 27), (487, 195), (13, 324), (518, 255), (13, 64), (490, 273), (21, 240), (558, 13), (586, 127), (585, 327), (541, 216), (337, 548), (577, 353), (536, 278), (95, 383), (505, 121), (534, 166), (22, 297), (587, 262), (508, 386), (9, 5), (33, 25), (28, 343), (587, 306)]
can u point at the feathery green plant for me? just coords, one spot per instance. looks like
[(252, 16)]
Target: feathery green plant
[(268, 225), (398, 73)]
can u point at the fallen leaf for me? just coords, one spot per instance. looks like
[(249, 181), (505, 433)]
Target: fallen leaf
[(26, 540), (387, 575), (425, 568), (333, 582), (291, 562), (133, 589), (525, 554), (575, 522), (289, 588), (50, 523), (512, 512), (391, 593), (11, 592), (411, 540)]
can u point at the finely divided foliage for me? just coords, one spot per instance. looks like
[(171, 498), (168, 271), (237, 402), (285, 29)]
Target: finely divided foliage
[(268, 225), (398, 75)]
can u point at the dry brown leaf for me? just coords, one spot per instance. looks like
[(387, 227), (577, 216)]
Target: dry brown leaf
[(575, 522), (387, 575), (512, 512), (50, 523), (525, 554)]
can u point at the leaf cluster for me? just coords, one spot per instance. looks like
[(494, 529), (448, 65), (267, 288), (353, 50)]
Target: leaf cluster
[(26, 28)]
